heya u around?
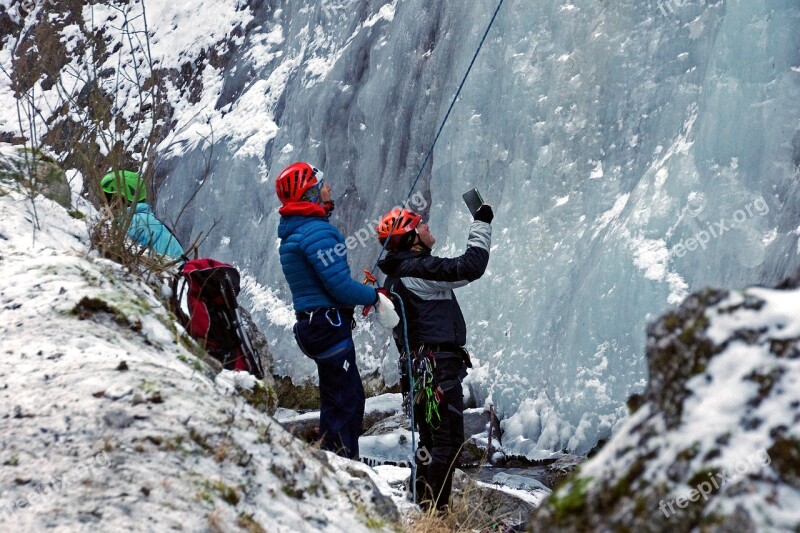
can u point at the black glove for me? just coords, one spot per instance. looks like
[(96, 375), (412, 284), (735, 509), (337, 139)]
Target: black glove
[(484, 214)]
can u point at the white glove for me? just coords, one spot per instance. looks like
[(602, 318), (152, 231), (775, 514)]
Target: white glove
[(385, 313)]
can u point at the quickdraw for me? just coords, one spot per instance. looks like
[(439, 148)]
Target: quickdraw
[(427, 393)]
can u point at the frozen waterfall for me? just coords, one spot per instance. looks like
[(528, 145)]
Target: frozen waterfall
[(634, 150)]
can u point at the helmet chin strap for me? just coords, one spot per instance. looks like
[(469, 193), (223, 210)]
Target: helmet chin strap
[(420, 246)]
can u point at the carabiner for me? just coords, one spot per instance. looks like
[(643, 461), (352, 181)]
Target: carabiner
[(338, 316)]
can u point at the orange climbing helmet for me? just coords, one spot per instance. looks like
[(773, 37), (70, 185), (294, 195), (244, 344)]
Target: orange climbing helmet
[(397, 225), (295, 180)]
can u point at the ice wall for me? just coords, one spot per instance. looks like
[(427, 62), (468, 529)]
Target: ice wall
[(634, 151)]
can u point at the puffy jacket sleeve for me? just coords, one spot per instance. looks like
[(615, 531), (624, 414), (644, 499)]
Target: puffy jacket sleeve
[(456, 271), (151, 233), (320, 247)]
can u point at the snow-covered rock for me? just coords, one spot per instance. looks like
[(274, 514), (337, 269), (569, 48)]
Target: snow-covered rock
[(714, 444), (17, 164), (507, 499), (306, 425), (110, 421)]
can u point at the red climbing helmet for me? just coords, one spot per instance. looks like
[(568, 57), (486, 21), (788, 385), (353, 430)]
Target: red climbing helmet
[(396, 224), (294, 180)]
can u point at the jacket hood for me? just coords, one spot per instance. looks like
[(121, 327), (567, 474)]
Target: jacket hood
[(289, 224), (391, 262), (142, 208), (304, 209)]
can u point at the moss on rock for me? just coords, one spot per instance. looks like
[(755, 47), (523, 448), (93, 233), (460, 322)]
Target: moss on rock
[(570, 498), (677, 351), (297, 397), (657, 477), (262, 397)]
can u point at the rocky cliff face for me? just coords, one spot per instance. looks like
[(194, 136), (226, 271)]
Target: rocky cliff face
[(714, 443)]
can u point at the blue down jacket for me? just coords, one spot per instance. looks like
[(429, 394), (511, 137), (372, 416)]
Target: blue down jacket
[(151, 233), (318, 277)]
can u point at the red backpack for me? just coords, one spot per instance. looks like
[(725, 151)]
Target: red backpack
[(211, 314)]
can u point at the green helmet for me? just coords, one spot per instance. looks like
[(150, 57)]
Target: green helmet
[(133, 188)]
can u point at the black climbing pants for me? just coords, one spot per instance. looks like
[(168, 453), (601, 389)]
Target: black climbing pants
[(440, 440), (327, 339)]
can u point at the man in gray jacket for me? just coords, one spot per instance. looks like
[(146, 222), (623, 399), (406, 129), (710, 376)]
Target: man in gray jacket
[(436, 336)]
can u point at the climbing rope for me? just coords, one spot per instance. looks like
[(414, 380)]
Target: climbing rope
[(411, 389), (453, 103), (441, 127)]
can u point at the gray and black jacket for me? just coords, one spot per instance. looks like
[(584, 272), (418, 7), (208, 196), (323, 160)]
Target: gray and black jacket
[(426, 283)]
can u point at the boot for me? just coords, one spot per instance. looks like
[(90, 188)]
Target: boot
[(424, 492), (441, 484), (447, 487)]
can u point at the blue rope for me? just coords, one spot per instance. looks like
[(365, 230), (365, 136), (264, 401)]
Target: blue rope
[(453, 103), (441, 127), (411, 398)]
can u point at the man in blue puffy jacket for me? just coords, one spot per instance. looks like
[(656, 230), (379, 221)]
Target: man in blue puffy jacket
[(145, 228), (314, 260)]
